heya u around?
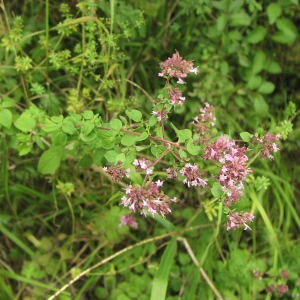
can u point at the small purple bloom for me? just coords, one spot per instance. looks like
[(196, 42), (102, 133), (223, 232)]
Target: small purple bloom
[(192, 176), (128, 220)]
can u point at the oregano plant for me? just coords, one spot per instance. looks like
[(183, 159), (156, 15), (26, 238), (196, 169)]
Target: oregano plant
[(142, 154)]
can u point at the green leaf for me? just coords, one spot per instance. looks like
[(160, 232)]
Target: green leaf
[(87, 127), (182, 134), (259, 61), (267, 87), (254, 82), (59, 139), (134, 115), (216, 190), (287, 26), (287, 33), (130, 139), (273, 67), (246, 136), (106, 139), (115, 124), (24, 149), (5, 118), (273, 11), (182, 153), (50, 126), (25, 122), (260, 106), (111, 156), (221, 22), (240, 19), (50, 160), (243, 60), (7, 102), (160, 282), (157, 150), (192, 148), (256, 35), (88, 115), (68, 126)]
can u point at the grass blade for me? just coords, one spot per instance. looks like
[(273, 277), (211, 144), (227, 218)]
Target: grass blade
[(12, 236), (161, 279)]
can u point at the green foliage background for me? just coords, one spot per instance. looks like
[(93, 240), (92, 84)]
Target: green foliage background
[(90, 63)]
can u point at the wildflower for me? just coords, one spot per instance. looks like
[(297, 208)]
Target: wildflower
[(233, 169), (148, 199), (176, 96), (257, 274), (236, 220), (143, 165), (177, 67), (128, 220), (192, 176), (117, 172), (271, 288), (282, 289), (284, 274), (216, 150), (269, 144), (171, 173), (161, 115), (207, 114), (205, 119)]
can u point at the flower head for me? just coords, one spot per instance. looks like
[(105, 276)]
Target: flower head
[(171, 173), (176, 96), (148, 199), (161, 115), (143, 164), (116, 172), (192, 176), (128, 220), (269, 144), (233, 169), (237, 220), (177, 67)]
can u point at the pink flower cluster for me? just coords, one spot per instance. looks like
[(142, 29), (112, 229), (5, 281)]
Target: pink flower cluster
[(269, 144), (173, 67), (233, 166), (205, 119), (281, 289), (128, 220), (192, 176), (147, 199), (161, 115), (143, 164), (237, 220), (171, 173), (116, 172), (177, 67), (176, 96)]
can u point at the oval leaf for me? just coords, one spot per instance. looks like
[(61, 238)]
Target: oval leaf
[(25, 122), (134, 115), (267, 87), (256, 35), (273, 11), (5, 118), (50, 160), (246, 136)]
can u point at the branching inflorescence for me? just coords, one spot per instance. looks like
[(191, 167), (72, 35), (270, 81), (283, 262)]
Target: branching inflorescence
[(229, 159)]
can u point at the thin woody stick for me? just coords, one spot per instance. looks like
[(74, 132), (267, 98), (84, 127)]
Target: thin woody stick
[(201, 270), (104, 261)]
